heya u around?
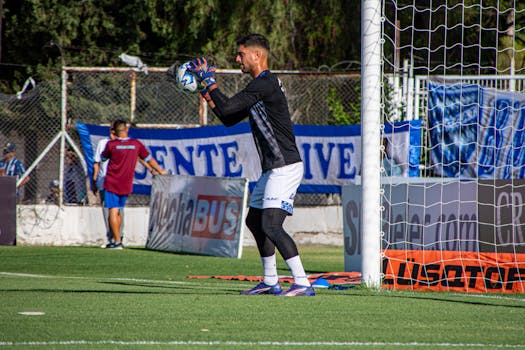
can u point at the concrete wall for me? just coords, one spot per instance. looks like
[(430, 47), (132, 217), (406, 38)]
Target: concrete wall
[(78, 225)]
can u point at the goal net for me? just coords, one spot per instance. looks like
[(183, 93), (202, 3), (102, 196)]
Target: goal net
[(457, 222)]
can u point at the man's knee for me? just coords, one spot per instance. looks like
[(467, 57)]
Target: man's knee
[(253, 219), (272, 222)]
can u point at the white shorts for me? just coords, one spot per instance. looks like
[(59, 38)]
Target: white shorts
[(276, 188)]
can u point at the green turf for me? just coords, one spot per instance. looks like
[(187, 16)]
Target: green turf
[(139, 299)]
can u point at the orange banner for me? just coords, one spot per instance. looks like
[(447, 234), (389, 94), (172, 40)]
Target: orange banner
[(454, 271)]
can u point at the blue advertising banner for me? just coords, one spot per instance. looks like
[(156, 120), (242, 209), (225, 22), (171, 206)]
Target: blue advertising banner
[(331, 154), (476, 131)]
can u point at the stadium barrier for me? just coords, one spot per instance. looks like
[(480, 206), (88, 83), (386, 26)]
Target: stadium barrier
[(444, 234), (45, 224), (8, 210)]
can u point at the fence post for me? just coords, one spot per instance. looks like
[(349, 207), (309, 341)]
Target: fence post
[(133, 96), (203, 111), (63, 115)]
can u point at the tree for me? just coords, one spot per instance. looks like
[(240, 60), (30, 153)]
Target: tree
[(39, 34), (457, 36)]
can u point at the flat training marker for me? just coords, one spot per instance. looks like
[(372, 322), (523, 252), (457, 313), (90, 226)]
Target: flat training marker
[(31, 313)]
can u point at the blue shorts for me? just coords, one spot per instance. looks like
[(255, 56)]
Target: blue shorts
[(112, 200)]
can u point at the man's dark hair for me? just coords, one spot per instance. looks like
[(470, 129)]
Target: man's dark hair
[(254, 40), (118, 125)]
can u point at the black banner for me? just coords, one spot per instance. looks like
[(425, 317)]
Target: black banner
[(7, 210), (501, 209)]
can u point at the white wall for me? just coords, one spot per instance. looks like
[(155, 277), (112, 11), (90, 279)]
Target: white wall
[(72, 225)]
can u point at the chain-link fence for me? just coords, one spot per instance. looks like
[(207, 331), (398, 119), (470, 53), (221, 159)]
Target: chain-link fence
[(31, 121), (41, 119)]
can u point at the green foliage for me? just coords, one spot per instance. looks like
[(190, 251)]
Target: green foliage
[(95, 32), (338, 114), (463, 32), (302, 33)]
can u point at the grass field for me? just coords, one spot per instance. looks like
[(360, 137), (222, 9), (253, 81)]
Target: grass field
[(138, 299)]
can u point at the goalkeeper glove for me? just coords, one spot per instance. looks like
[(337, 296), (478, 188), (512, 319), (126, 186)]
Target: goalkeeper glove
[(205, 73)]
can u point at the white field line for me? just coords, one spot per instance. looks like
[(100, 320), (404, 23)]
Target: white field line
[(491, 296), (463, 295), (263, 343), (98, 279), (14, 274)]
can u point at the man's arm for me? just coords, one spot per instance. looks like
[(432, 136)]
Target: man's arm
[(101, 146), (21, 171), (148, 161), (96, 169), (24, 181), (148, 167), (153, 163), (230, 111)]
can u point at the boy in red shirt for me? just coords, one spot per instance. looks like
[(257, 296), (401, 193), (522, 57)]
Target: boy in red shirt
[(122, 153)]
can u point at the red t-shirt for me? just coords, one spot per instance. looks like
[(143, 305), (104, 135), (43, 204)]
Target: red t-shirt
[(122, 155)]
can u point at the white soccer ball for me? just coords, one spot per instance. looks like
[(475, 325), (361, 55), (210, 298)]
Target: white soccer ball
[(186, 80)]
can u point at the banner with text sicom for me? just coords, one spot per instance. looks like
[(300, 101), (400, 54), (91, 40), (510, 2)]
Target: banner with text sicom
[(197, 215), (445, 234)]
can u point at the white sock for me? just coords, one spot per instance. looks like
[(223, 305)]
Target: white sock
[(270, 270), (296, 267)]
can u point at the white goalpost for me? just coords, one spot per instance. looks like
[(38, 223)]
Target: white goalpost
[(370, 134), (442, 204)]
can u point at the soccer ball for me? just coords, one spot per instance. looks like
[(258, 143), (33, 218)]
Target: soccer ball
[(186, 80)]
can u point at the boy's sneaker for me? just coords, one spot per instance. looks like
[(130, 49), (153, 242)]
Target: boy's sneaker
[(115, 245), (105, 245), (298, 291), (263, 288)]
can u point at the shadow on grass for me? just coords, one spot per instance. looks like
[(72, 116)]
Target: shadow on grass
[(491, 301), (144, 288)]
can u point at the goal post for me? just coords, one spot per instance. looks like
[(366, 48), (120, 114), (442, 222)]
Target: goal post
[(445, 213), (370, 123)]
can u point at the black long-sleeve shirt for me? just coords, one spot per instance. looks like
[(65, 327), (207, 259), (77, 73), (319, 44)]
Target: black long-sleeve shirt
[(264, 102)]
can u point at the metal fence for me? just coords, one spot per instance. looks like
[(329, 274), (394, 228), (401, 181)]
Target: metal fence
[(40, 120)]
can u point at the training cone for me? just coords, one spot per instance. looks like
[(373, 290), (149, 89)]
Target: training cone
[(320, 283)]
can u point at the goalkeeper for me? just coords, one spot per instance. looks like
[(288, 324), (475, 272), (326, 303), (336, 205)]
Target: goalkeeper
[(264, 102)]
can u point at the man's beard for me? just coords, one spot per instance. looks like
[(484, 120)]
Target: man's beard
[(245, 69)]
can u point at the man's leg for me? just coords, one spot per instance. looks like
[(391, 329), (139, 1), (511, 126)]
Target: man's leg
[(265, 246), (115, 221), (105, 214), (272, 220), (254, 223), (272, 225), (121, 224), (114, 202)]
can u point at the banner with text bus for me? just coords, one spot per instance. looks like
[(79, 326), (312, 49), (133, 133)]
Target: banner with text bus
[(197, 215), (331, 154)]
